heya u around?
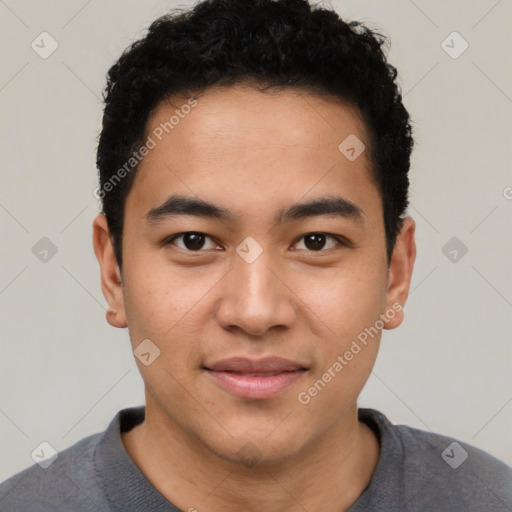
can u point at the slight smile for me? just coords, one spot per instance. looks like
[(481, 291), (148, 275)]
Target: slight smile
[(255, 379)]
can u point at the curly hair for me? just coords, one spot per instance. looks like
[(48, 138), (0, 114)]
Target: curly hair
[(273, 44)]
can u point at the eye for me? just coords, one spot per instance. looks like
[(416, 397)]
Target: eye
[(192, 241), (195, 241), (317, 242)]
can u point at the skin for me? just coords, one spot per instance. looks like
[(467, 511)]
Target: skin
[(254, 153)]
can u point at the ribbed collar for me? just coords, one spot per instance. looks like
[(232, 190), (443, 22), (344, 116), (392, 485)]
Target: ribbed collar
[(128, 489), (122, 481)]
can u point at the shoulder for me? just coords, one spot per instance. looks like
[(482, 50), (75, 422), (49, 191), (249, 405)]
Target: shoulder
[(66, 481), (455, 472), (434, 471)]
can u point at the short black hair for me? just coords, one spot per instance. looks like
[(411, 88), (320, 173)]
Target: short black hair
[(272, 44)]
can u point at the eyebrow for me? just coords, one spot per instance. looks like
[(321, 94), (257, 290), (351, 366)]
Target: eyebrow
[(177, 205)]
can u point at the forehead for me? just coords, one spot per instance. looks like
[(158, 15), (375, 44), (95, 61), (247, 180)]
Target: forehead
[(241, 144), (224, 113)]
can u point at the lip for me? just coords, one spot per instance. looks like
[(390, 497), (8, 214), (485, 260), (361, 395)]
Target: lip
[(237, 376)]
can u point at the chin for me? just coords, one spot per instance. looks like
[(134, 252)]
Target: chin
[(255, 445), (254, 453)]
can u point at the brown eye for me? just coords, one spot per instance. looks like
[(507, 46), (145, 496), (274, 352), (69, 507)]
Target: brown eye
[(317, 241), (192, 241)]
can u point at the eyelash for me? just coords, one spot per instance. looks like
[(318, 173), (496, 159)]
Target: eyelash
[(340, 241)]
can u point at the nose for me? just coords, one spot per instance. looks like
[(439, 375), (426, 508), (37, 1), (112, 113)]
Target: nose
[(255, 298)]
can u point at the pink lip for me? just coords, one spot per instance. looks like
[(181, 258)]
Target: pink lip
[(235, 376)]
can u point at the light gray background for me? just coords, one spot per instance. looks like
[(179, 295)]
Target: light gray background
[(64, 371)]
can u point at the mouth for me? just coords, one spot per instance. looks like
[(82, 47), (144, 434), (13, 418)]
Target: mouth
[(255, 380)]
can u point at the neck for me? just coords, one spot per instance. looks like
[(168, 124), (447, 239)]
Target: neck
[(328, 475)]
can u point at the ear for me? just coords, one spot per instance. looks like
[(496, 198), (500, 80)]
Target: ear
[(111, 278), (400, 272)]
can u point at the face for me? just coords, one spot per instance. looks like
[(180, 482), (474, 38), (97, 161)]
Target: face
[(258, 301)]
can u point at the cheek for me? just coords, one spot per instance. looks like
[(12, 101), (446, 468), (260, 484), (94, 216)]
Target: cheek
[(344, 307), (345, 301), (160, 299), (345, 313), (172, 308), (165, 307)]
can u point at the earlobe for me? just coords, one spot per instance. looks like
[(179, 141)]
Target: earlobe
[(400, 272), (111, 279), (114, 320)]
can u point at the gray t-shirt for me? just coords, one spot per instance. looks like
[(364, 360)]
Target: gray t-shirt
[(416, 471)]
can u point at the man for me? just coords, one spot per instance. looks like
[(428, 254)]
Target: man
[(253, 173)]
